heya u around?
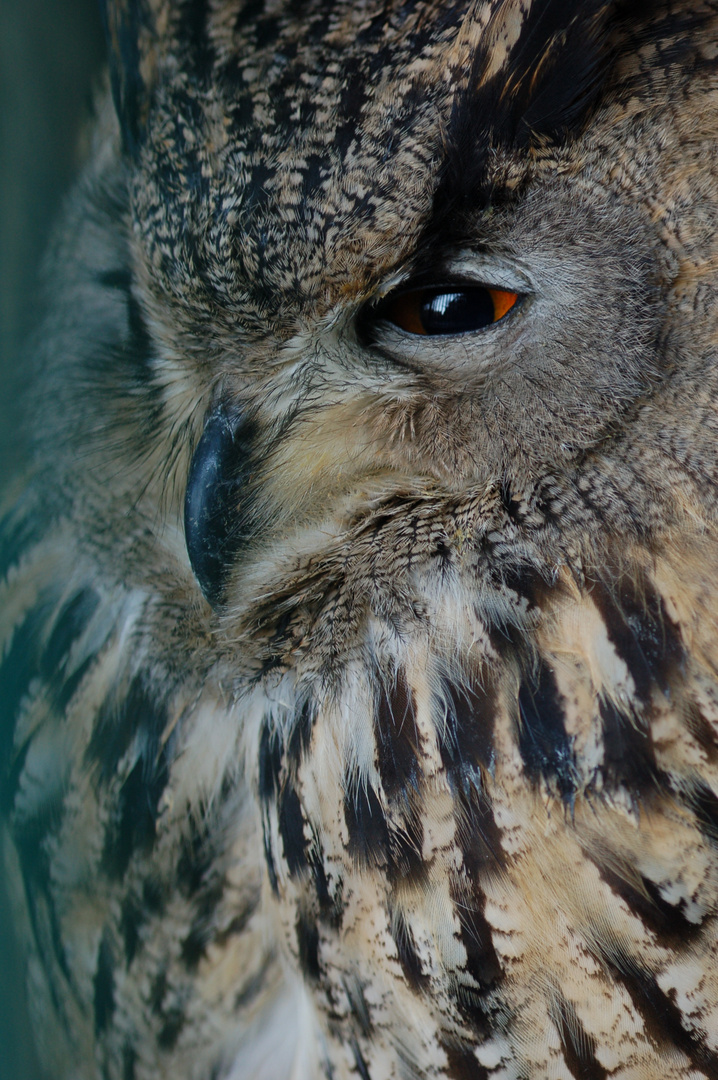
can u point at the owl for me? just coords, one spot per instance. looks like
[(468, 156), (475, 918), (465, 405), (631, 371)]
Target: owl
[(360, 594)]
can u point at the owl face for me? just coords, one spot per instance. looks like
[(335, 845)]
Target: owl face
[(292, 221)]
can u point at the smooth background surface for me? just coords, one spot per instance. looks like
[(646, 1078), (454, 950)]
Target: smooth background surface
[(51, 54)]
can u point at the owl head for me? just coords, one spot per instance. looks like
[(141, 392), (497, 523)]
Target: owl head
[(379, 253), (376, 575)]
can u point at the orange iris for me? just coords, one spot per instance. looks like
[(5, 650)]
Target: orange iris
[(449, 310)]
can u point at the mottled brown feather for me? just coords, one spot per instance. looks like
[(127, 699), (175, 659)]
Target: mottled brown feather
[(391, 751)]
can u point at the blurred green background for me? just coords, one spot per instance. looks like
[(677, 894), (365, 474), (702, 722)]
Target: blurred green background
[(51, 55)]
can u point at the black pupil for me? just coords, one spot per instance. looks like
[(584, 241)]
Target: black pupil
[(444, 312)]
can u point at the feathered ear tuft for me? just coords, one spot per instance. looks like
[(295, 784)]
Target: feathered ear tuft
[(542, 83), (538, 72), (132, 39)]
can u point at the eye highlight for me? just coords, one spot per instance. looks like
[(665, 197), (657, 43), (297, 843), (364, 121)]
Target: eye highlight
[(447, 309)]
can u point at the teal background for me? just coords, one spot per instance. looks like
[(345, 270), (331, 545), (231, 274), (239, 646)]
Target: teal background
[(51, 55)]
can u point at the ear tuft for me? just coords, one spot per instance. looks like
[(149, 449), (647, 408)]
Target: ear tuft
[(131, 33), (539, 71)]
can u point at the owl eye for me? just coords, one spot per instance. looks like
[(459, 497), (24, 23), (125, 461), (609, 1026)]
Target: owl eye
[(448, 309)]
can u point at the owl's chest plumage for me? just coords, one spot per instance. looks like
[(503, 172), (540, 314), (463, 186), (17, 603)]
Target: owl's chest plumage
[(492, 827)]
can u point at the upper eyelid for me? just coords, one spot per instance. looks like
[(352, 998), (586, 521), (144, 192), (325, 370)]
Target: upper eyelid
[(373, 307), (470, 271), (492, 271)]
